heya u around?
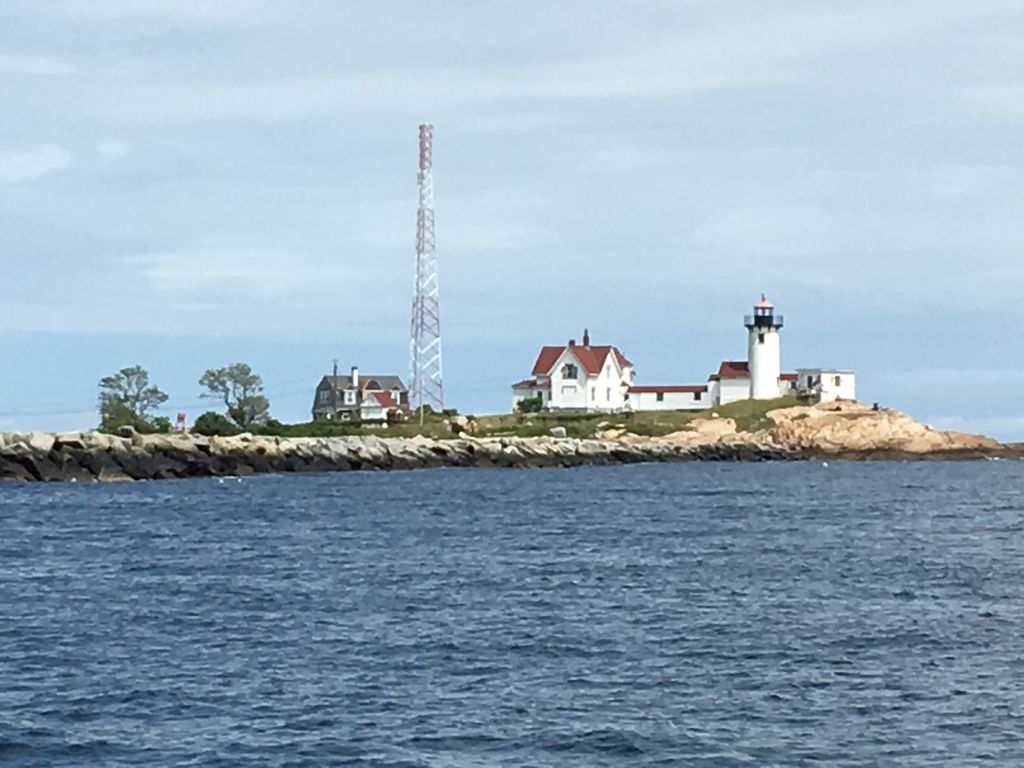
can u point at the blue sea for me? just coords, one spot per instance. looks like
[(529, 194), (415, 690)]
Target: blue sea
[(656, 615)]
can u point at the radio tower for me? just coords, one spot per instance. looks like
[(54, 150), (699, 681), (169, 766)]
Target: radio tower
[(425, 337)]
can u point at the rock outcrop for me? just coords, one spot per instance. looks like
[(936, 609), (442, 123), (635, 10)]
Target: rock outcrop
[(841, 429), (844, 428), (89, 456)]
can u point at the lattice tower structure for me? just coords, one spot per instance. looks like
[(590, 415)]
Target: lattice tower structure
[(425, 369)]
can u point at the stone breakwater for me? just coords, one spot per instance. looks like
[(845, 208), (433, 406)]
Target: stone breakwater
[(89, 456)]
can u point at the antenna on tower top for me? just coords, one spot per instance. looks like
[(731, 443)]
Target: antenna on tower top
[(426, 387)]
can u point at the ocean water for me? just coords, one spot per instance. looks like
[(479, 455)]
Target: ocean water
[(663, 615)]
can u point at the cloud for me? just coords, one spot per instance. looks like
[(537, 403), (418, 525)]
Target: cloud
[(235, 12), (1007, 428), (217, 274), (113, 148), (998, 100), (33, 65), (234, 281), (662, 158), (950, 378), (31, 164)]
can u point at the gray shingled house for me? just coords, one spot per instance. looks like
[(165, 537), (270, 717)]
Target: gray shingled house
[(357, 397)]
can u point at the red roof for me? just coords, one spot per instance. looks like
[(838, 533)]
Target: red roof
[(385, 399), (670, 388), (731, 369), (591, 358), (526, 384), (787, 376), (546, 359)]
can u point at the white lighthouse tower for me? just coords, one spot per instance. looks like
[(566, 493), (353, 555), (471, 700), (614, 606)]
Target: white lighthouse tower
[(764, 353)]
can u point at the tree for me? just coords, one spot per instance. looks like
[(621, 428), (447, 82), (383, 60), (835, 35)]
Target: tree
[(530, 404), (241, 391), (126, 398)]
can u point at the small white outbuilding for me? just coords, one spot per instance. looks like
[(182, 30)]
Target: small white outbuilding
[(826, 384), (668, 397)]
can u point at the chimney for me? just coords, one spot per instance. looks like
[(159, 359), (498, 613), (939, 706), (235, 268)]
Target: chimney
[(572, 342), (586, 338), (355, 377)]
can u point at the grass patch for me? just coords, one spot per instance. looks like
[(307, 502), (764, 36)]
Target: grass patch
[(432, 427), (581, 425), (657, 423), (750, 415)]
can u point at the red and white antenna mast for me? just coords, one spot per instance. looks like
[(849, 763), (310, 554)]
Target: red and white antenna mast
[(426, 386)]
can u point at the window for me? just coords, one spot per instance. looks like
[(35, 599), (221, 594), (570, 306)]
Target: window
[(325, 396), (760, 338), (569, 371), (540, 394), (838, 380), (696, 395), (660, 397), (350, 396), (608, 394), (593, 393)]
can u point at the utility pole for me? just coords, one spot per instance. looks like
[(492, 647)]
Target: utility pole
[(426, 386), (334, 391)]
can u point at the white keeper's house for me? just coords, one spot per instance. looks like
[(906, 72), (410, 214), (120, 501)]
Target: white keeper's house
[(581, 377), (577, 377)]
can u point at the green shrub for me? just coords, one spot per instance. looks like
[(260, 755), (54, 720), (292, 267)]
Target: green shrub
[(115, 415), (211, 423), (160, 425), (530, 404)]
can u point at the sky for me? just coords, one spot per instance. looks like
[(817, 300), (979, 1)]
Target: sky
[(188, 184)]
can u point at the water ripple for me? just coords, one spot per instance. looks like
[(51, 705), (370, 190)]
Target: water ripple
[(753, 615)]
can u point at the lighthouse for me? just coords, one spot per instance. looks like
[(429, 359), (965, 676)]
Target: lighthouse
[(764, 353)]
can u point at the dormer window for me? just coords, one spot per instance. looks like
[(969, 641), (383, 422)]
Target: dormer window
[(570, 371)]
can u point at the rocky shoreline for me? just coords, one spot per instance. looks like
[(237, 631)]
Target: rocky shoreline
[(837, 431), (91, 456)]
